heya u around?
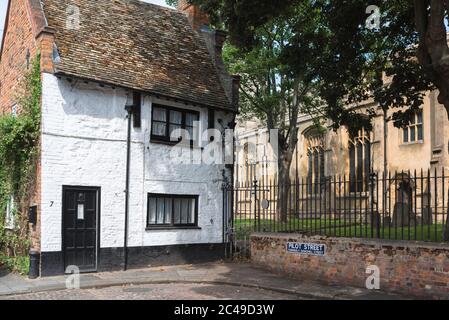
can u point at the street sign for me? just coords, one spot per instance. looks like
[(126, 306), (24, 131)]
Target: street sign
[(315, 249)]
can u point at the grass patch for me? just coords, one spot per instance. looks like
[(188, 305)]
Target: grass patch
[(338, 228)]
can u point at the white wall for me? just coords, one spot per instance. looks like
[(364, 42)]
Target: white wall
[(84, 144)]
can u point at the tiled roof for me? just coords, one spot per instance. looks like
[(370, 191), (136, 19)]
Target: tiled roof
[(136, 45)]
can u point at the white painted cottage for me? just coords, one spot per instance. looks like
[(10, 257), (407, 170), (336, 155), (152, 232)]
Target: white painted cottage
[(103, 61)]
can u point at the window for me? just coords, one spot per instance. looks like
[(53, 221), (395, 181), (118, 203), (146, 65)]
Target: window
[(9, 218), (360, 162), (315, 154), (172, 211), (173, 125), (414, 131)]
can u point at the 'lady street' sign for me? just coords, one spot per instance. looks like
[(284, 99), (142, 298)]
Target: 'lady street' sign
[(314, 249)]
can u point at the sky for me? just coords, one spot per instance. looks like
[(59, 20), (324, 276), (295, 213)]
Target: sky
[(4, 5)]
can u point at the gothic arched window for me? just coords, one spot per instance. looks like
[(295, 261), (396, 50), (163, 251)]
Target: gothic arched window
[(315, 156), (360, 162)]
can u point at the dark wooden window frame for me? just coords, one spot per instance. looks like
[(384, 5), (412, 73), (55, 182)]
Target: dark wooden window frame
[(166, 138), (172, 224)]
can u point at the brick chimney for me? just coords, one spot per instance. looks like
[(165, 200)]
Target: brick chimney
[(196, 16)]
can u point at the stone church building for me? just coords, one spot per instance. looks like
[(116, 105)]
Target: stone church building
[(398, 174), (424, 144)]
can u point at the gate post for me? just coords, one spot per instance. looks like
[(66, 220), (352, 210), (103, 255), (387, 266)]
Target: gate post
[(256, 217), (375, 219)]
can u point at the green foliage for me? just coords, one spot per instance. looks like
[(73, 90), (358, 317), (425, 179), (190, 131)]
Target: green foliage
[(332, 46), (270, 91), (19, 139), (172, 3)]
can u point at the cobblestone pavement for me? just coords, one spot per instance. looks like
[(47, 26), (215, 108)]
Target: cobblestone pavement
[(160, 292)]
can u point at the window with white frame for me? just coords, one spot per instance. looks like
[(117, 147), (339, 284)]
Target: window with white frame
[(414, 131), (9, 218)]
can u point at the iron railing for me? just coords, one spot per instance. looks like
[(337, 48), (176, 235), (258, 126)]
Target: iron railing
[(397, 206)]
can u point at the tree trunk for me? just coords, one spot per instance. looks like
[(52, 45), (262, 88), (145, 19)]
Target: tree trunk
[(433, 53), (284, 164)]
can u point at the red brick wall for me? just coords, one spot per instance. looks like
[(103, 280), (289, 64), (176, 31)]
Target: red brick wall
[(18, 39), (419, 269), (24, 32), (196, 16)]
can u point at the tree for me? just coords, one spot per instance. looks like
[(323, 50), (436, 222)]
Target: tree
[(274, 95), (394, 65), (409, 29), (433, 53)]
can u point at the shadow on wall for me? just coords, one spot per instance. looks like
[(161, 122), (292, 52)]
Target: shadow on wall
[(92, 100)]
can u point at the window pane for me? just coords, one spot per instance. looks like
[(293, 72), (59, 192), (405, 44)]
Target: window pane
[(159, 129), (175, 136), (310, 171), (160, 210), (192, 211), (367, 164), (177, 210), (405, 135), (185, 211), (175, 117), (168, 210), (152, 211), (412, 134), (191, 132), (159, 114), (420, 117), (352, 174), (420, 132), (359, 167), (413, 119), (321, 163), (190, 119), (316, 171)]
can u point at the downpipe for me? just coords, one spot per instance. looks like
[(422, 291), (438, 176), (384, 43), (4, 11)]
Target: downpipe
[(129, 109)]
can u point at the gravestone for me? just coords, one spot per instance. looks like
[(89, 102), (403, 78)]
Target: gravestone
[(375, 220), (403, 215), (427, 216)]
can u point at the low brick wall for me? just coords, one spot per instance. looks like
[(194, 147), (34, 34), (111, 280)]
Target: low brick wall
[(415, 268)]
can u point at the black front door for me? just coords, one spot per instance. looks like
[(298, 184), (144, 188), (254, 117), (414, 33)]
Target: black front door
[(80, 227)]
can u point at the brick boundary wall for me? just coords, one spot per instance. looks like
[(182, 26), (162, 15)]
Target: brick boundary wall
[(415, 268)]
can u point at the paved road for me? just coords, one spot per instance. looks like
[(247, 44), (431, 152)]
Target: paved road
[(160, 292)]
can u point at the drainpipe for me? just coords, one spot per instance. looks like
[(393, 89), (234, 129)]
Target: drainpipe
[(129, 109)]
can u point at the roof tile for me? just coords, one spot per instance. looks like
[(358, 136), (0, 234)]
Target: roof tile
[(136, 45)]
